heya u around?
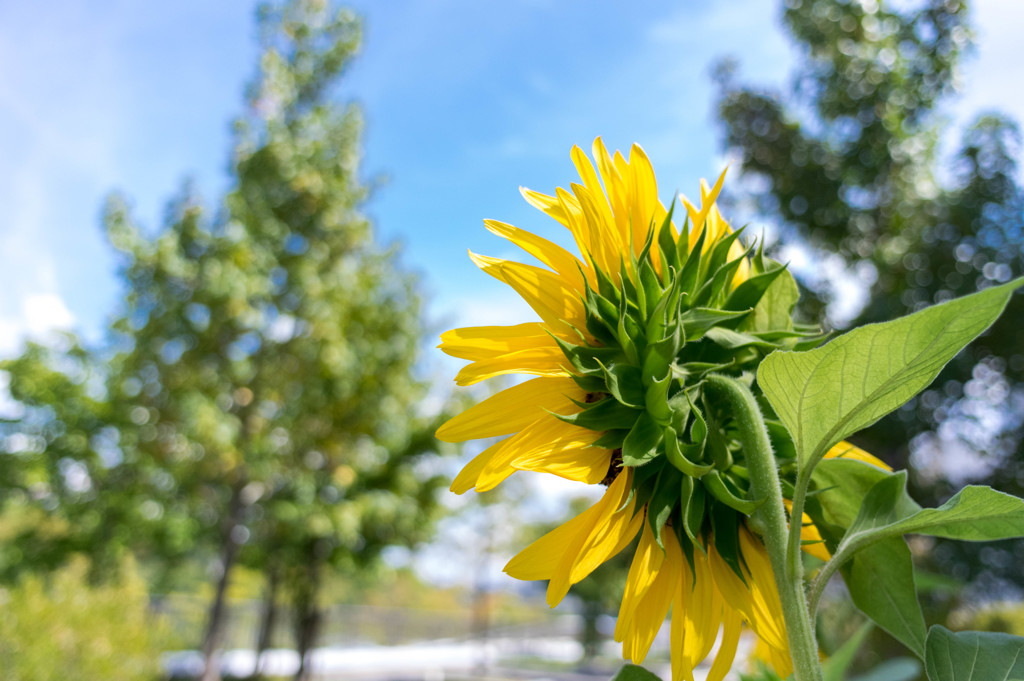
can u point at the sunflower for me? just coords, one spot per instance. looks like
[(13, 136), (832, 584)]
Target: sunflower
[(628, 331)]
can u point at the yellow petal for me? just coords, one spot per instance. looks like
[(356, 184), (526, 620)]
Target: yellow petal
[(702, 615), (470, 474), (611, 504), (547, 436), (643, 196), (767, 606), (537, 361), (548, 204), (568, 266), (646, 562), (726, 655), (844, 450), (540, 559), (577, 461), (550, 296), (488, 342), (650, 611), (513, 409), (615, 186)]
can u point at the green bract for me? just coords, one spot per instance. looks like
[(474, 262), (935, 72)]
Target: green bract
[(682, 312)]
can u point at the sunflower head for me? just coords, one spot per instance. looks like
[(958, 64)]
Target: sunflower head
[(628, 333), (679, 305)]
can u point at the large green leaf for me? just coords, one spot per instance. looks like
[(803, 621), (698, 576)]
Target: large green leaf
[(974, 514), (881, 577), (824, 395), (632, 672), (881, 583), (973, 656)]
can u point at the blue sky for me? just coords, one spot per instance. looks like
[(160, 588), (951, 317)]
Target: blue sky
[(464, 101)]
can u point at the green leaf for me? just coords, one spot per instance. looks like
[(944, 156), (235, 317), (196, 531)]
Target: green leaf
[(973, 514), (839, 662), (881, 583), (973, 656), (632, 672), (824, 395), (881, 577)]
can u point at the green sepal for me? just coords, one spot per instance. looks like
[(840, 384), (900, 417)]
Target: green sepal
[(692, 510), (676, 455), (590, 384), (667, 245), (680, 405), (625, 382), (719, 255), (749, 293), (602, 317), (697, 320), (660, 355), (689, 274), (641, 445), (656, 400), (714, 290), (717, 487), (608, 414), (725, 528), (734, 340), (628, 332), (651, 285), (683, 242), (644, 478), (663, 501), (585, 359), (612, 439), (716, 445), (691, 372), (606, 287)]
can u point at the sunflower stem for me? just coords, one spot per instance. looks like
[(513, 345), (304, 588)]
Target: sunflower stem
[(771, 517)]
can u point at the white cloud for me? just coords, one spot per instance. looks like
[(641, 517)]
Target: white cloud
[(40, 314)]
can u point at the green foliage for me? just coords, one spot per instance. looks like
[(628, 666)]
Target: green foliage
[(974, 514), (632, 672), (848, 159), (837, 666), (881, 577), (827, 394), (973, 656), (60, 628)]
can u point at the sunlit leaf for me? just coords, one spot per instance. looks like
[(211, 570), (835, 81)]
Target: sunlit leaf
[(826, 394)]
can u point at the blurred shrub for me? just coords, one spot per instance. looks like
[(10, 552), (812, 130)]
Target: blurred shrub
[(58, 627), (1006, 616)]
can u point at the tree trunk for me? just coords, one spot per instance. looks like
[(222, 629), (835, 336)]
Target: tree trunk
[(216, 618), (308, 617), (267, 621)]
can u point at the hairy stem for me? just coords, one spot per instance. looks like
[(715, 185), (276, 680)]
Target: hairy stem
[(771, 516)]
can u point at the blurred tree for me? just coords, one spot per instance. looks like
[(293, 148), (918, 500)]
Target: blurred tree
[(848, 158), (259, 404)]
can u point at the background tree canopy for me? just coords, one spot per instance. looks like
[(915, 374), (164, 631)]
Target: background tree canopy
[(855, 158)]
